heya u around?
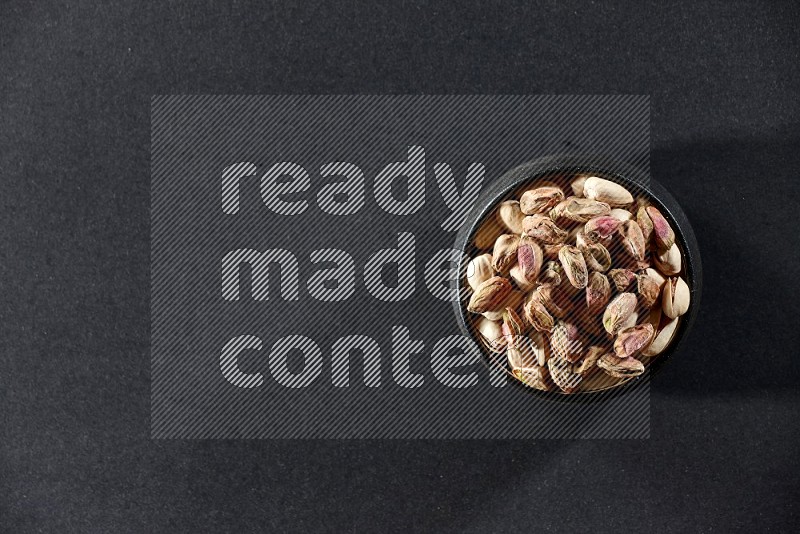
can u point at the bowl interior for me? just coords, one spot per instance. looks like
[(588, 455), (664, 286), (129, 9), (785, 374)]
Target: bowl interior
[(638, 182)]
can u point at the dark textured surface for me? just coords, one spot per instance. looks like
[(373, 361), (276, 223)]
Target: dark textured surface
[(74, 152)]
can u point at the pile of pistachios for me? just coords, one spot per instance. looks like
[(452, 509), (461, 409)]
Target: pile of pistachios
[(579, 292)]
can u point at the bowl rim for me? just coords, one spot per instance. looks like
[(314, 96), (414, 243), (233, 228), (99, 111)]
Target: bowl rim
[(631, 176)]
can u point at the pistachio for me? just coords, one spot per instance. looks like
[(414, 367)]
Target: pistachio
[(479, 270), (513, 300), (597, 257), (488, 233), (489, 295), (528, 352), (620, 367), (542, 228), (552, 274), (598, 291), (492, 334), (504, 254), (669, 261), (634, 243), (536, 342), (601, 228), (518, 278), (529, 258), (648, 290), (579, 209), (653, 318), (663, 235), (580, 238), (632, 319), (509, 216), (565, 342), (617, 311), (621, 215), (556, 302), (606, 191), (622, 278), (633, 340), (657, 276), (574, 266), (588, 362), (561, 373), (645, 223), (535, 377), (540, 200), (512, 326), (537, 316), (578, 184), (662, 338), (521, 355), (675, 301)]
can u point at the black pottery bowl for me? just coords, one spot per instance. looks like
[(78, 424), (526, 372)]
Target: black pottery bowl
[(638, 182)]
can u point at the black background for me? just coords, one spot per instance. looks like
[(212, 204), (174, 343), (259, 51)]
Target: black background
[(76, 84)]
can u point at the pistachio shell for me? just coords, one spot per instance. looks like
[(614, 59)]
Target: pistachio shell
[(621, 215), (552, 274), (529, 258), (537, 316), (598, 291), (535, 377), (512, 326), (617, 311), (663, 236), (601, 228), (648, 290), (606, 191), (580, 239), (513, 300), (492, 334), (565, 342), (622, 278), (489, 295), (669, 261), (516, 275), (588, 362), (504, 254), (662, 338), (562, 375), (479, 270), (633, 340), (645, 223), (543, 229), (620, 367), (579, 209), (530, 352), (633, 241), (578, 184), (675, 301), (509, 216), (574, 266), (632, 319), (597, 257), (657, 276), (540, 199)]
